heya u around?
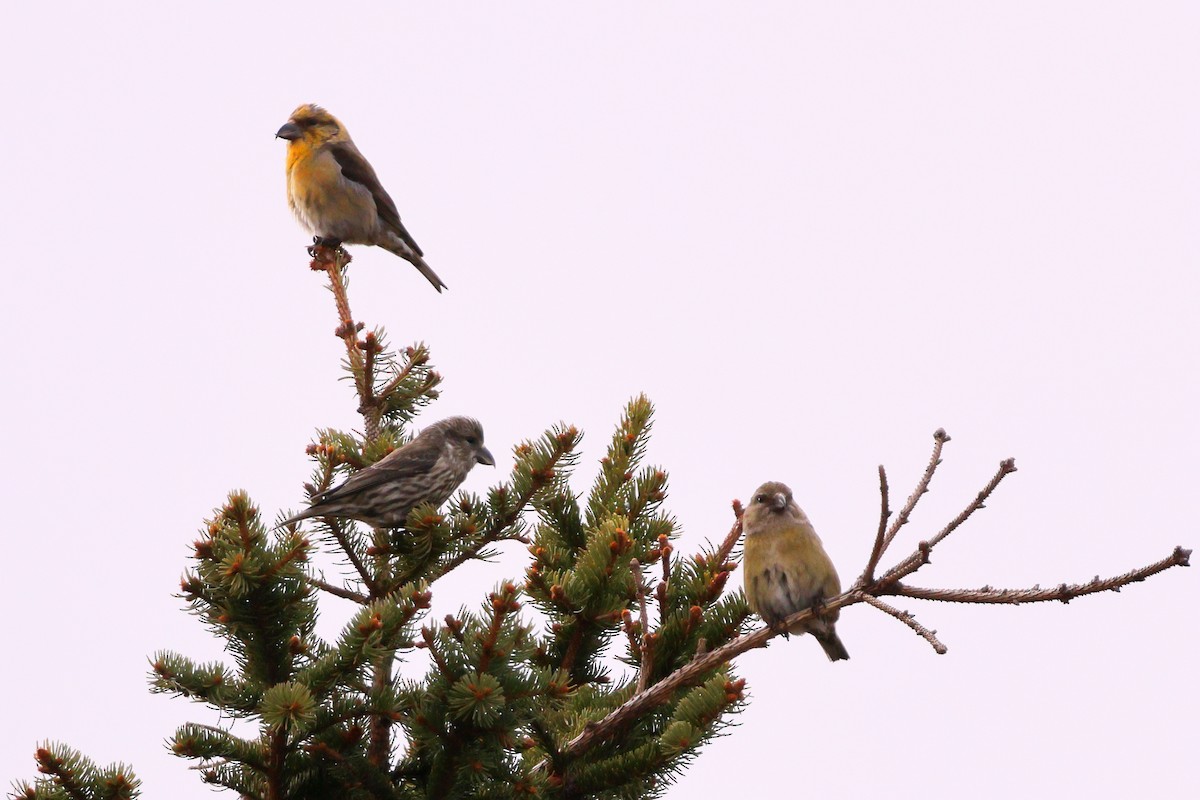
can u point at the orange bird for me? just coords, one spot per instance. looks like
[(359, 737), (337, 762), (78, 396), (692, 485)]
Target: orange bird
[(334, 192)]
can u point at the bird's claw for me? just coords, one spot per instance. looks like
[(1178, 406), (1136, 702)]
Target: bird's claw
[(323, 249), (320, 243), (818, 609)]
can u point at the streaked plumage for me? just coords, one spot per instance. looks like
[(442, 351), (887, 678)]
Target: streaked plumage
[(426, 470), (786, 567), (334, 191)]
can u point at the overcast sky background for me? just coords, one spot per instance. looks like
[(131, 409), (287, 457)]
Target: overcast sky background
[(812, 233)]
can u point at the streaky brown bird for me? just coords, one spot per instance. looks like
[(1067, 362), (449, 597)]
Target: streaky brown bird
[(786, 569), (426, 470), (335, 194)]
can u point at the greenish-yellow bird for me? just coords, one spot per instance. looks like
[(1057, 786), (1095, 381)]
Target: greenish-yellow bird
[(786, 567)]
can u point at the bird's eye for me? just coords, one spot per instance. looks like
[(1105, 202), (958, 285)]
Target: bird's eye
[(762, 498), (471, 440)]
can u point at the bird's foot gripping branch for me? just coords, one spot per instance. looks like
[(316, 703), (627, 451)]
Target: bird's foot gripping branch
[(868, 589), (325, 252)]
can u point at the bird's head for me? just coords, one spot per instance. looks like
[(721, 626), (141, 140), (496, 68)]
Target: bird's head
[(465, 436), (771, 502), (312, 124), (772, 497)]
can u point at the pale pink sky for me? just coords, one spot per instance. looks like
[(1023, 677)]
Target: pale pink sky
[(811, 232)]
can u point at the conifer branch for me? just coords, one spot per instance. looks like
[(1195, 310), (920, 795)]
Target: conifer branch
[(731, 539), (921, 555), (503, 603), (568, 659), (1064, 592), (343, 541), (547, 742), (880, 538), (865, 590), (297, 552), (563, 445), (647, 645), (380, 745), (337, 591), (908, 619), (275, 764), (628, 629), (63, 770), (660, 592), (333, 261), (415, 357), (429, 642), (940, 437)]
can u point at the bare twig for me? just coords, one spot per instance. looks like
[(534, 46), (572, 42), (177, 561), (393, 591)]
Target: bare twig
[(333, 261), (1063, 592), (1007, 466), (647, 645), (627, 628), (884, 512), (908, 619), (921, 555), (940, 437), (337, 591), (865, 591), (660, 591)]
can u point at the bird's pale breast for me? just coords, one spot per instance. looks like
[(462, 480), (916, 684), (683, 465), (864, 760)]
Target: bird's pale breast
[(325, 202), (786, 568)]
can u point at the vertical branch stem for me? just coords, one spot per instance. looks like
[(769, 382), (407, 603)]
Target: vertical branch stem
[(884, 512), (333, 262), (647, 638)]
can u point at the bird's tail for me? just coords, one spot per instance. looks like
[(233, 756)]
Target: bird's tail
[(401, 248), (832, 645)]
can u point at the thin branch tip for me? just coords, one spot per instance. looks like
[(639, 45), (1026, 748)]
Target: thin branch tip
[(909, 619)]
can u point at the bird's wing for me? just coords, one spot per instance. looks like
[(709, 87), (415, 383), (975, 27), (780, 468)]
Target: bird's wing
[(357, 169), (416, 458)]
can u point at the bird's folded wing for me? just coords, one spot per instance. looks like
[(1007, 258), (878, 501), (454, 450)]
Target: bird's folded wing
[(357, 169), (409, 462)]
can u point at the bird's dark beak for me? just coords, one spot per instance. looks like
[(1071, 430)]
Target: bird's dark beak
[(290, 131), (485, 457), (778, 502)]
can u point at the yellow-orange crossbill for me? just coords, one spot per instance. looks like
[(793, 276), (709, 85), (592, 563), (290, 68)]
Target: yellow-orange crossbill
[(786, 567), (334, 192)]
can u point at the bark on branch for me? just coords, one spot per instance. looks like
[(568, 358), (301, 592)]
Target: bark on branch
[(867, 589)]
